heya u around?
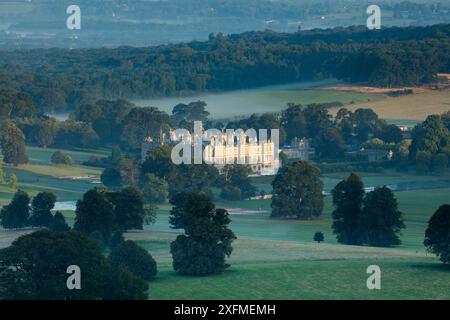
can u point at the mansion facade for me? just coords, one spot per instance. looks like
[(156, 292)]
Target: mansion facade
[(261, 157)]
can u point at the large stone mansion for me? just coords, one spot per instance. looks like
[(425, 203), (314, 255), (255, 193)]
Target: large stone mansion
[(260, 156)]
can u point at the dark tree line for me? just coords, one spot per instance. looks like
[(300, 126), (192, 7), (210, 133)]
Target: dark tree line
[(122, 125), (35, 266), (23, 212), (58, 80), (40, 259), (101, 214)]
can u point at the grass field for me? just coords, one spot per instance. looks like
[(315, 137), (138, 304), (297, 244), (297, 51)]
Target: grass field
[(43, 156), (305, 279), (268, 269), (278, 259), (40, 175), (417, 206)]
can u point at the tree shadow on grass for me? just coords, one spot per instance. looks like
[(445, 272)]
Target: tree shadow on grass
[(436, 265)]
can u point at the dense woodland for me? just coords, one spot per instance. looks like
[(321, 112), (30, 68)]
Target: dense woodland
[(58, 80)]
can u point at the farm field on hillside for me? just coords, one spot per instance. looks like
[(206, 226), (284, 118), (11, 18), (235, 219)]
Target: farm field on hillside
[(411, 107)]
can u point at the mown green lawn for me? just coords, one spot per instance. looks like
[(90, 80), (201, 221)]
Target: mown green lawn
[(277, 259), (264, 269), (417, 205), (40, 175), (43, 156), (412, 278)]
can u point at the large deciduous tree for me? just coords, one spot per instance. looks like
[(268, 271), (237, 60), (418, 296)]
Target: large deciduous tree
[(58, 223), (236, 183), (129, 211), (159, 162), (95, 214), (430, 138), (41, 206), (294, 122), (185, 114), (44, 132), (390, 133), (366, 123), (206, 241), (135, 258), (16, 105), (348, 198), (437, 235), (60, 158), (154, 189), (12, 142), (111, 178), (102, 213), (15, 215), (141, 123), (297, 191), (381, 221), (329, 144)]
